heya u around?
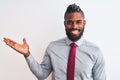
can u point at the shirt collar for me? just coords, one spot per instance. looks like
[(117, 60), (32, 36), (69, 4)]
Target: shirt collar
[(78, 43)]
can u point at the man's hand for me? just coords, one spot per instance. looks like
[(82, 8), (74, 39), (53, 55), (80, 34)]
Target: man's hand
[(21, 48)]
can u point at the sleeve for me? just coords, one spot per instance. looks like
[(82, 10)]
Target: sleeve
[(41, 71), (99, 67)]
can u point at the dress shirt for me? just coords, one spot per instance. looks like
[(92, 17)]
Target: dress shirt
[(90, 64)]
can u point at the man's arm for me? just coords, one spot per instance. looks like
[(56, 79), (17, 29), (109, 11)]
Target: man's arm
[(42, 70), (99, 67)]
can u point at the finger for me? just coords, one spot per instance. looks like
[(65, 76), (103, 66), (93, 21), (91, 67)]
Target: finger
[(9, 42), (6, 40), (24, 41)]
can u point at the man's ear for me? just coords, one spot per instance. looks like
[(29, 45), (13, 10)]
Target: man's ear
[(84, 23), (64, 23)]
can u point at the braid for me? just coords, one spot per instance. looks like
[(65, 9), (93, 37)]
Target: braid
[(73, 8)]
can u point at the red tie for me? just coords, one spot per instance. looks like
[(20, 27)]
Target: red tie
[(71, 62)]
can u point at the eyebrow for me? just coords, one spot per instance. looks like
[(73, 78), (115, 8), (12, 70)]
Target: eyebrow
[(73, 20)]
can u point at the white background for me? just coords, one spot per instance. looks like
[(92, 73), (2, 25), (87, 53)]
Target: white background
[(41, 21)]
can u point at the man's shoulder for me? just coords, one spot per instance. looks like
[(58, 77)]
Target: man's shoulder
[(90, 45), (92, 49), (58, 42), (61, 40)]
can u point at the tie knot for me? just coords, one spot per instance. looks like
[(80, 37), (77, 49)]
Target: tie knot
[(73, 45)]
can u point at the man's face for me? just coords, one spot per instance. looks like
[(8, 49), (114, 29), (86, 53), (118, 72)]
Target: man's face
[(74, 25)]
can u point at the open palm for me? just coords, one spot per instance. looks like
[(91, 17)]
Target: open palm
[(21, 48)]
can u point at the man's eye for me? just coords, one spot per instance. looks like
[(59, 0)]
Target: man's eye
[(79, 22), (69, 22)]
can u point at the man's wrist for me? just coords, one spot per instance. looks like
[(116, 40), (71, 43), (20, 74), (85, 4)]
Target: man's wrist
[(26, 55)]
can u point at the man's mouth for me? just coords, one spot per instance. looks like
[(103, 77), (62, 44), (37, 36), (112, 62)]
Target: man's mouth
[(74, 32)]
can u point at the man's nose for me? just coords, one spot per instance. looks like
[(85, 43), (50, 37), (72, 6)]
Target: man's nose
[(74, 25)]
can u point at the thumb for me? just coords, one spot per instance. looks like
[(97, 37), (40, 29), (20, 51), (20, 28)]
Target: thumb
[(24, 41)]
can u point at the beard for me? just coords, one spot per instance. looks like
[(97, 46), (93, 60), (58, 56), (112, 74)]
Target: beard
[(74, 37)]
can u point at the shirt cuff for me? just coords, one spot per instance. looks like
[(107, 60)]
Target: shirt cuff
[(29, 58)]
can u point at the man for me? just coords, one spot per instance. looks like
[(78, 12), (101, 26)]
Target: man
[(89, 63)]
